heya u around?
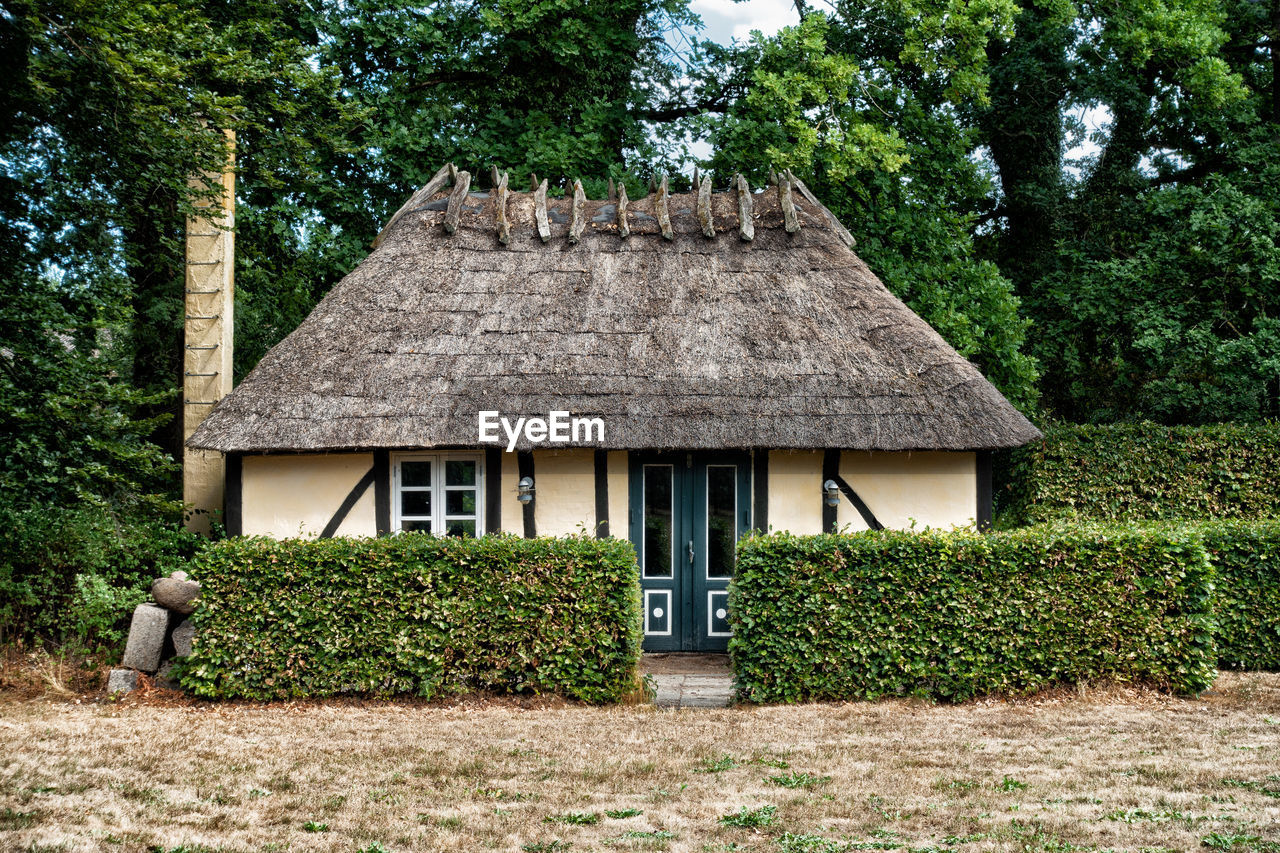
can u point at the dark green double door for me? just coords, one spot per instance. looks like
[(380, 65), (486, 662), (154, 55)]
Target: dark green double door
[(687, 512)]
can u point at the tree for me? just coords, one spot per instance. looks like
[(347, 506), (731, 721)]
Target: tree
[(114, 105), (1147, 268), (863, 105)]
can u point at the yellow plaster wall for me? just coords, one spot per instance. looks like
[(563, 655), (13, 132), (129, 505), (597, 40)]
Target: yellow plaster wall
[(795, 491), (512, 509), (935, 488), (619, 494), (291, 495), (564, 491)]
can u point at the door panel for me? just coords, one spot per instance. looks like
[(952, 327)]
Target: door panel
[(687, 512)]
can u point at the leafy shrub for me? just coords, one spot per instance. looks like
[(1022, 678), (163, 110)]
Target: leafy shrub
[(1246, 561), (1129, 472), (955, 615), (416, 614), (74, 576)]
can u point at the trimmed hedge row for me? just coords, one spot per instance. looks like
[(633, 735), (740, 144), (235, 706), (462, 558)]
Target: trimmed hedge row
[(1246, 561), (416, 614), (956, 615), (1130, 472)]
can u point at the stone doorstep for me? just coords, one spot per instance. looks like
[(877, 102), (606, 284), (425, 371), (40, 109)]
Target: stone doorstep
[(698, 687)]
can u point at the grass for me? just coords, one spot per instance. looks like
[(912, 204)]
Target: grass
[(1092, 770)]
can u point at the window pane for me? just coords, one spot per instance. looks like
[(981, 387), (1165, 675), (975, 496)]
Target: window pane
[(722, 532), (416, 525), (460, 473), (456, 527), (415, 503), (461, 502), (657, 521), (416, 473)]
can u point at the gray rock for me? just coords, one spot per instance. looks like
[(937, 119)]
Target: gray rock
[(180, 575), (146, 638), (176, 594), (182, 637), (122, 681), (163, 676)]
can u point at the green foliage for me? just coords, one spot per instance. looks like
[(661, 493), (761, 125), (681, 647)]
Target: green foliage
[(416, 614), (75, 575), (574, 818), (1183, 325), (94, 208), (746, 818), (1246, 560), (622, 814), (862, 105), (1149, 264), (1130, 472), (956, 615), (799, 780)]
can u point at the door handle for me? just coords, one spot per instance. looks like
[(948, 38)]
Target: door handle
[(691, 553)]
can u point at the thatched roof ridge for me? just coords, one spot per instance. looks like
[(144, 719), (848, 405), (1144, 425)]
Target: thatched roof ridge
[(784, 340)]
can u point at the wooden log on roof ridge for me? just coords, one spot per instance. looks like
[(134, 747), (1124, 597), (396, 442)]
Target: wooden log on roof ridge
[(453, 213), (704, 208), (836, 226), (453, 173), (624, 230), (493, 176), (697, 184), (533, 182), (664, 215), (540, 211), (773, 177), (746, 225), (788, 206), (438, 181), (504, 227), (576, 220)]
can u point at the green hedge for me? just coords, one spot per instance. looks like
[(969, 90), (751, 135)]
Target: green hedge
[(955, 615), (416, 614), (1246, 560), (1129, 472)]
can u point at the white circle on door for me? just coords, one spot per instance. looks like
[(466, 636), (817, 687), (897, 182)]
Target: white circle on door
[(721, 613), (657, 613)]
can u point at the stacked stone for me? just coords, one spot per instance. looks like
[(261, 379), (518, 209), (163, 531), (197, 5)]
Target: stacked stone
[(159, 634)]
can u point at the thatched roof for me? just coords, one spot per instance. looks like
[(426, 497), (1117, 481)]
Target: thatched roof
[(786, 340)]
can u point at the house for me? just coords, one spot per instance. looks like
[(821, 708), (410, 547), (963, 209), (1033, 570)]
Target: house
[(688, 367)]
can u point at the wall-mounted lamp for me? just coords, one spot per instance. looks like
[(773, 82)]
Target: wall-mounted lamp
[(524, 490), (831, 493)]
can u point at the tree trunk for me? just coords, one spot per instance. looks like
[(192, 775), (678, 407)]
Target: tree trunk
[(1023, 129)]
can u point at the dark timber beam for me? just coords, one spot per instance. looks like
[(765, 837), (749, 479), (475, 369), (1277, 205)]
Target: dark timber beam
[(233, 496), (984, 490), (830, 470), (524, 460), (492, 489), (602, 494), (760, 483), (382, 492)]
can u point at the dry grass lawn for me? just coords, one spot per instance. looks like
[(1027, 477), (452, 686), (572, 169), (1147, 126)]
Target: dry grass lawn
[(1096, 770)]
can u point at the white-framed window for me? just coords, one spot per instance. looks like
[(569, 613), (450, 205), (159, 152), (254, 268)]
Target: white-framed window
[(441, 493)]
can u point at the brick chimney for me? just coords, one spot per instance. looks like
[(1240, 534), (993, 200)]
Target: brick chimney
[(208, 327)]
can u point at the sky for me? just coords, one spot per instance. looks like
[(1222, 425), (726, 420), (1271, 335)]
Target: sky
[(727, 20)]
